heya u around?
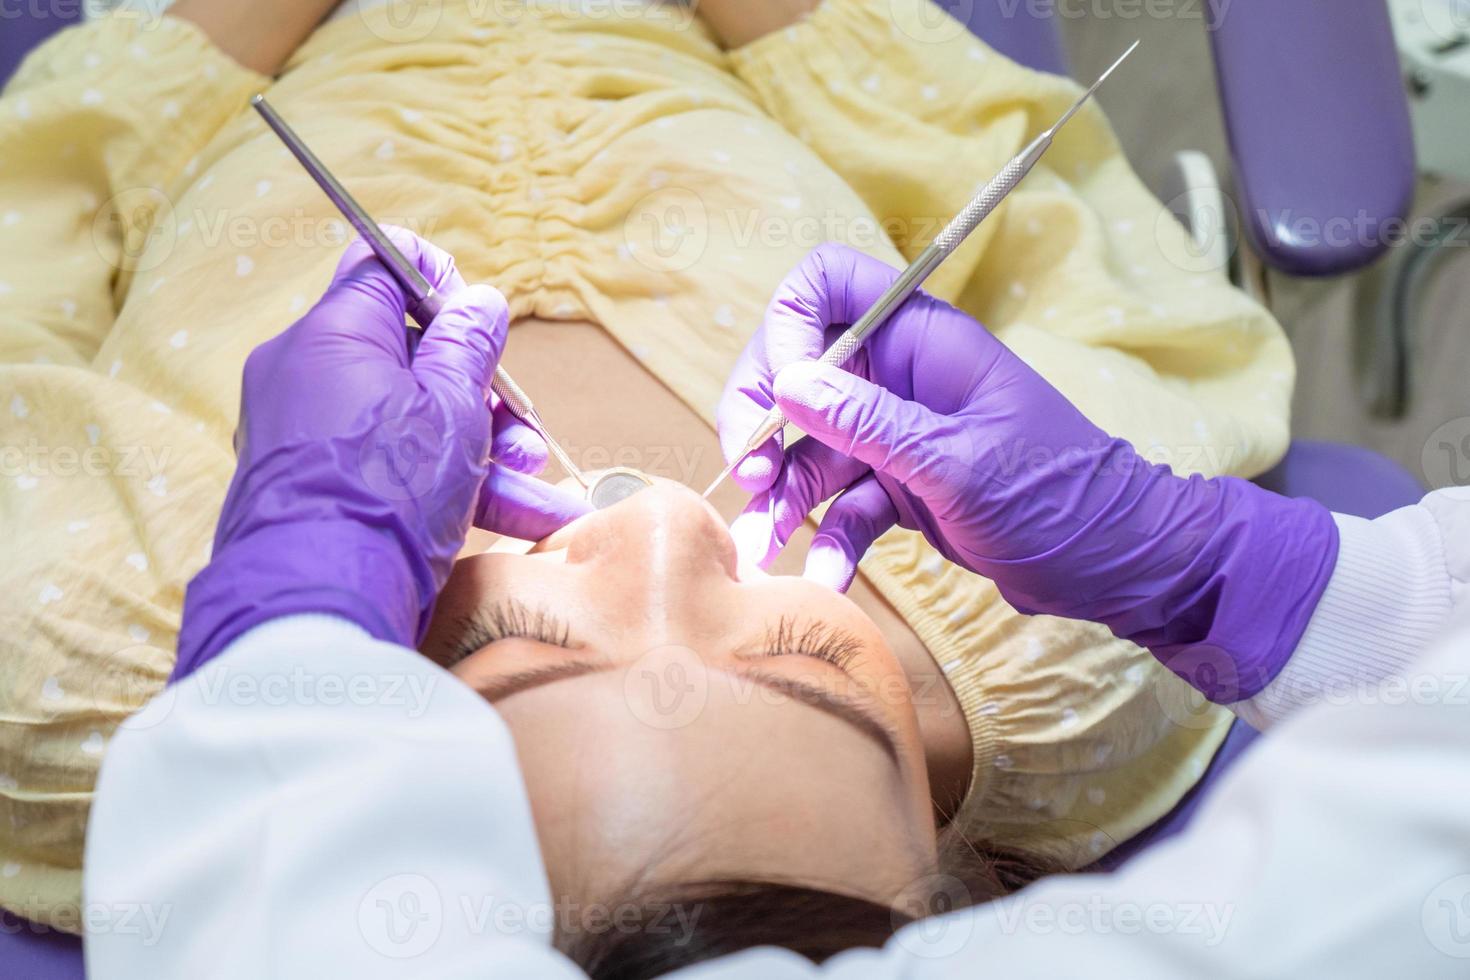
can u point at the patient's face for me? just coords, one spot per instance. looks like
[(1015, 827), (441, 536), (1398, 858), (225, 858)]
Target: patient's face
[(679, 718)]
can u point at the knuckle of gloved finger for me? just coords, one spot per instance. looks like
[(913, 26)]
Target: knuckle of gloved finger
[(462, 412), (477, 319), (487, 309), (520, 450), (787, 514), (859, 523), (358, 251), (263, 363), (417, 250), (921, 462), (865, 423), (831, 257)]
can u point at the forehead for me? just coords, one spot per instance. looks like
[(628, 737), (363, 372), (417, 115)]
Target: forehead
[(677, 713), (713, 785)]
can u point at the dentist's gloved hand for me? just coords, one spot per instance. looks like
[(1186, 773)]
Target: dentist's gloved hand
[(935, 425), (360, 469)]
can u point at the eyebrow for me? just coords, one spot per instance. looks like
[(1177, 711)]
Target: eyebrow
[(841, 706)]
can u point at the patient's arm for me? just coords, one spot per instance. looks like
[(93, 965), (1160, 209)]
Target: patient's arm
[(261, 34), (737, 22)]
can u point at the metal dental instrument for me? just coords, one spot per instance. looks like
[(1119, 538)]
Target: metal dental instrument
[(616, 485), (426, 301), (986, 200)]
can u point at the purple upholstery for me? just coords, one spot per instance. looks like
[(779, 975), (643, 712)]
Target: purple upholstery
[(1319, 130), (23, 26), (1346, 479), (31, 952), (1024, 32)]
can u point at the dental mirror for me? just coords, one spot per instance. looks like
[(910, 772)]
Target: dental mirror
[(616, 485)]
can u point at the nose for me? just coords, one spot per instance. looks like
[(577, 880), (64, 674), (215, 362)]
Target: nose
[(664, 533)]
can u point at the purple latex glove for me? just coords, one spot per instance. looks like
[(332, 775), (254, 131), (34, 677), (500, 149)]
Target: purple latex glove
[(360, 469), (935, 425)]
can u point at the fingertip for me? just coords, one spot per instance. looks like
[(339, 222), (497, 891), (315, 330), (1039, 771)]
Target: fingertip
[(522, 450), (358, 250), (524, 507), (466, 339), (436, 265), (753, 534), (757, 471), (481, 312), (827, 563), (486, 303)]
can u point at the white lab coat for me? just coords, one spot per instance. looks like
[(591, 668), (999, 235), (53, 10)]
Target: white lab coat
[(317, 804)]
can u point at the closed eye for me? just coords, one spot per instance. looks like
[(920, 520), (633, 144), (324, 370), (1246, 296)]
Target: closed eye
[(509, 619), (818, 640)]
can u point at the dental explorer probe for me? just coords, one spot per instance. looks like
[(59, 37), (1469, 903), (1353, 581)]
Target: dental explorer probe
[(425, 300), (986, 200)]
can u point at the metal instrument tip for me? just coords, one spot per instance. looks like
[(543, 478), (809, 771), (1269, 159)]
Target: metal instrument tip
[(718, 480), (1095, 86), (1114, 66)]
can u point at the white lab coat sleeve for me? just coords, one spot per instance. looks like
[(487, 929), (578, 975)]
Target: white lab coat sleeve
[(314, 803), (1398, 580), (1337, 847)]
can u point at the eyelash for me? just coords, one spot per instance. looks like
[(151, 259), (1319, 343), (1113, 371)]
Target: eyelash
[(512, 619), (506, 620), (817, 640)]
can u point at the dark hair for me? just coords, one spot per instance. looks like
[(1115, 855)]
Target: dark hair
[(727, 916)]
